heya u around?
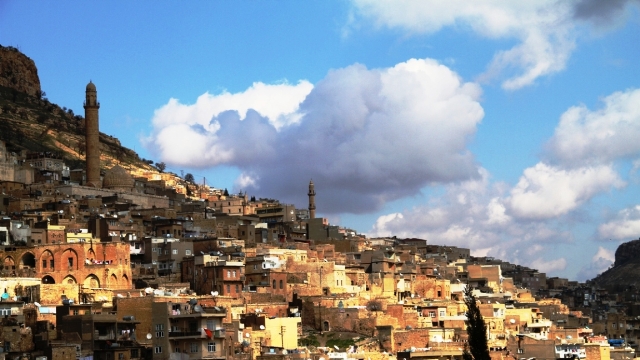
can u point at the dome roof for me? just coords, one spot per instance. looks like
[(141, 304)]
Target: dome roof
[(91, 86), (117, 178)]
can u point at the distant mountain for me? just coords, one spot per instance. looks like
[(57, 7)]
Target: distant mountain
[(625, 271), (28, 121)]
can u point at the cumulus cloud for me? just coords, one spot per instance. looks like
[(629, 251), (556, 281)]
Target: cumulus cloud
[(549, 265), (599, 263), (546, 191), (602, 12), (365, 136), (473, 215), (544, 29), (604, 135), (625, 226)]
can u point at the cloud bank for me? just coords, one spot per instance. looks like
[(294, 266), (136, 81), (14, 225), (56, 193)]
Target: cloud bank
[(524, 223), (546, 30), (365, 136)]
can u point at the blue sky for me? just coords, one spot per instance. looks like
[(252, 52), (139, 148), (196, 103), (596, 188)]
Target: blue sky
[(506, 127)]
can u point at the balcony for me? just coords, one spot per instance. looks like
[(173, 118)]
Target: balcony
[(177, 335), (219, 334)]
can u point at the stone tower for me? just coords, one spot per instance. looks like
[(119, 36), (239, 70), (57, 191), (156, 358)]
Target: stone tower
[(312, 200), (92, 136)]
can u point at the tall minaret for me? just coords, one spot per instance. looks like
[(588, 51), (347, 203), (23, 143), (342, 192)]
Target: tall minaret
[(92, 135), (312, 200)]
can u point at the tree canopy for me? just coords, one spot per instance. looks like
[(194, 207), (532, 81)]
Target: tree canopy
[(476, 347)]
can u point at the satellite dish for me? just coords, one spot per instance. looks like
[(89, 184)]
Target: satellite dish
[(214, 293), (513, 321), (336, 347), (119, 295), (36, 304), (192, 302), (247, 335), (149, 336), (148, 290), (158, 292), (197, 308), (284, 352), (261, 327)]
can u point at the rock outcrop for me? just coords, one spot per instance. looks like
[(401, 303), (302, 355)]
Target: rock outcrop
[(627, 252), (18, 72)]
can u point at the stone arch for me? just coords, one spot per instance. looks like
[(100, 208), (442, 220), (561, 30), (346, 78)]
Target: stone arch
[(69, 280), (124, 280), (46, 259), (113, 281), (91, 282), (325, 326), (69, 259), (27, 260), (48, 280), (9, 263), (91, 254)]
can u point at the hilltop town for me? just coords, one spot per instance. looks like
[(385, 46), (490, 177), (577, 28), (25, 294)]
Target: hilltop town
[(103, 260)]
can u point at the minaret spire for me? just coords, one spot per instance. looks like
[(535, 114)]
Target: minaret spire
[(312, 200), (92, 135)]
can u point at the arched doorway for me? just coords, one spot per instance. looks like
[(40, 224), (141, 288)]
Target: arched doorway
[(28, 260), (46, 259), (70, 259), (48, 280), (91, 282), (69, 280)]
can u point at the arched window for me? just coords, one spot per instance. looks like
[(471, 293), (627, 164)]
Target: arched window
[(281, 284), (274, 284)]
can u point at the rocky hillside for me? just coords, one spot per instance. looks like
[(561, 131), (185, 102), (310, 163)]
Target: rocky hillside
[(28, 121), (625, 271), (18, 72)]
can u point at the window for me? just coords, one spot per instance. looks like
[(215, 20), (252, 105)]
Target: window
[(233, 273), (51, 263), (154, 249), (228, 273), (44, 263), (228, 289), (70, 262), (442, 313), (274, 284), (134, 353), (187, 252), (120, 356), (237, 288), (174, 251), (158, 350), (211, 347), (159, 330), (137, 246), (281, 282), (194, 347), (432, 314)]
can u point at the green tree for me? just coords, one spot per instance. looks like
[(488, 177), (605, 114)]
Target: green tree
[(476, 347), (161, 166), (189, 178)]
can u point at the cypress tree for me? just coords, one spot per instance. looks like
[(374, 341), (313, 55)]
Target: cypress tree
[(476, 347)]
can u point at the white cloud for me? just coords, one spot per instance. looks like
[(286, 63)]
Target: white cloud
[(546, 191), (544, 28), (625, 226), (599, 263), (604, 254), (548, 266), (604, 135), (369, 136)]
